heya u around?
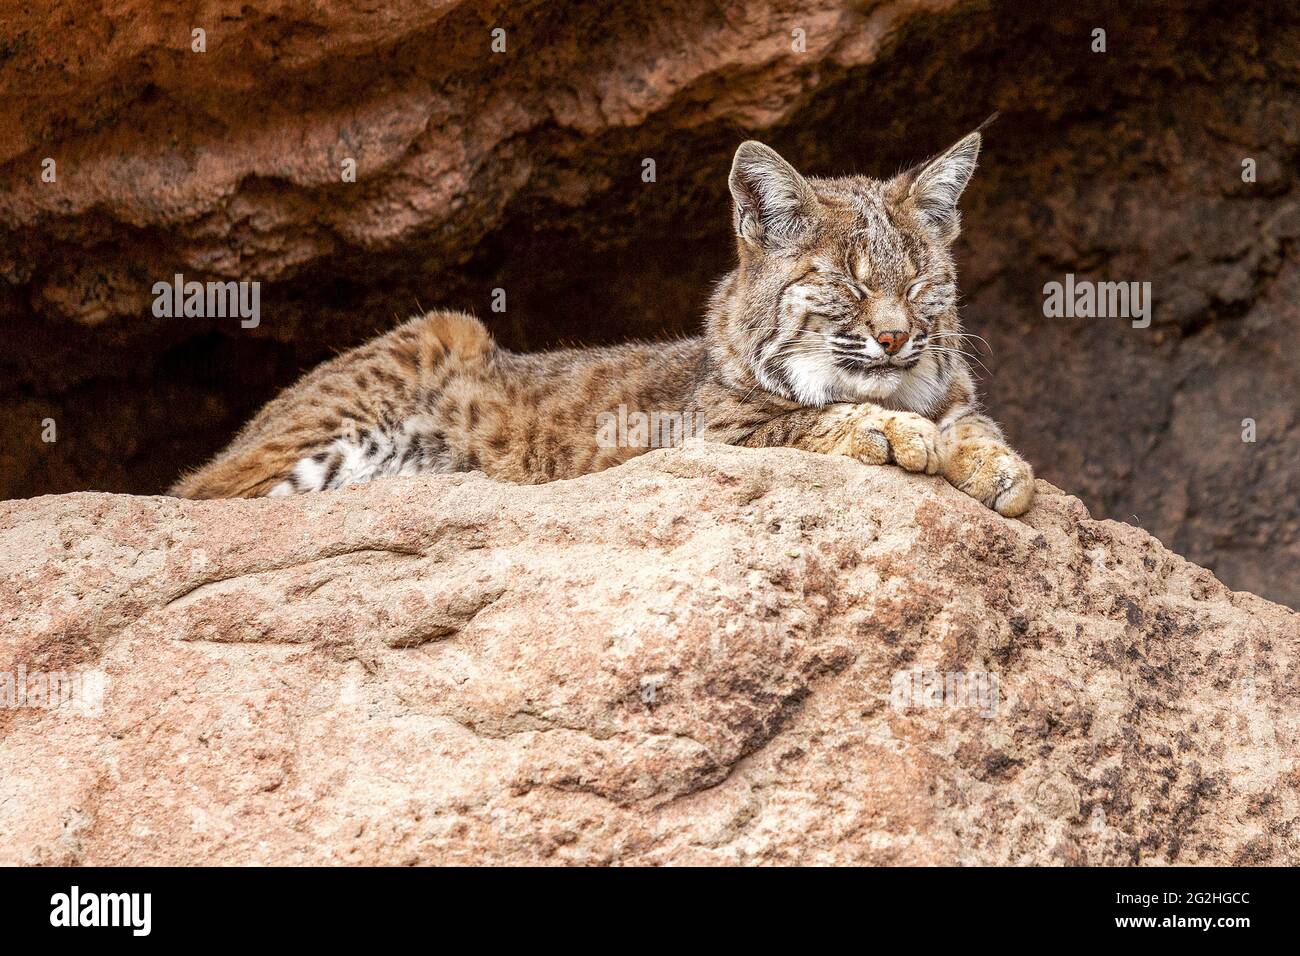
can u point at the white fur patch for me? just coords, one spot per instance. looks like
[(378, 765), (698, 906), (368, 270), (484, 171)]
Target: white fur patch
[(309, 474), (351, 461), (817, 382)]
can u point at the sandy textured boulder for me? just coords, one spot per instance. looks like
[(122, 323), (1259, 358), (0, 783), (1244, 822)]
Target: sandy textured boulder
[(710, 655)]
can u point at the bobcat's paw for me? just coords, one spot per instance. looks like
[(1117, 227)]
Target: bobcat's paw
[(877, 437), (913, 440), (992, 474)]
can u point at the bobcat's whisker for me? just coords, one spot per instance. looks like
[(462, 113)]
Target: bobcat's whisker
[(809, 348), (958, 352), (778, 328), (963, 335)]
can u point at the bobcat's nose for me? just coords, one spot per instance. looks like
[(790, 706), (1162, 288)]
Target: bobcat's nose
[(892, 340)]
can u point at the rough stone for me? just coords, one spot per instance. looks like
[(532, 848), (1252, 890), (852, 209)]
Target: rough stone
[(704, 656)]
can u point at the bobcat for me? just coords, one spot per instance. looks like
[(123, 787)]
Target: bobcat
[(836, 333)]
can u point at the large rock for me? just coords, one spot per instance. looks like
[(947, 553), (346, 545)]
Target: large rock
[(710, 655), (522, 170)]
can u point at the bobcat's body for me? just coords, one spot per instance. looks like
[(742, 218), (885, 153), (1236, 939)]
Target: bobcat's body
[(437, 395), (810, 343)]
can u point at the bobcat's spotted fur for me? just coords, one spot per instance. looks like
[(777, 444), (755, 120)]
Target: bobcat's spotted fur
[(836, 333)]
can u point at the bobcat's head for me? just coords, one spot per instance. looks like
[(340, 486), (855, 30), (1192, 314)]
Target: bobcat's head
[(846, 290)]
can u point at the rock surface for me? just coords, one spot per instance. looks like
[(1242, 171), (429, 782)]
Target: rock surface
[(705, 656), (522, 170)]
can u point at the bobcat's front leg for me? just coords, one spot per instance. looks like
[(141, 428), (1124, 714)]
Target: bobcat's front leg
[(869, 433), (977, 460)]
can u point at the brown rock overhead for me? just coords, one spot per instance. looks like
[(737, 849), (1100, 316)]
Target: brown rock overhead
[(522, 170), (710, 655)]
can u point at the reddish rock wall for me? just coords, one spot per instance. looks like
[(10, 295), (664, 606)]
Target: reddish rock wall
[(521, 170)]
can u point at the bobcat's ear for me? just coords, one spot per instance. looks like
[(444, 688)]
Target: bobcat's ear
[(939, 184), (773, 201)]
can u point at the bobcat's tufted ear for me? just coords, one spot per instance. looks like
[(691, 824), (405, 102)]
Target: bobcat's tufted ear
[(939, 184), (773, 202)]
